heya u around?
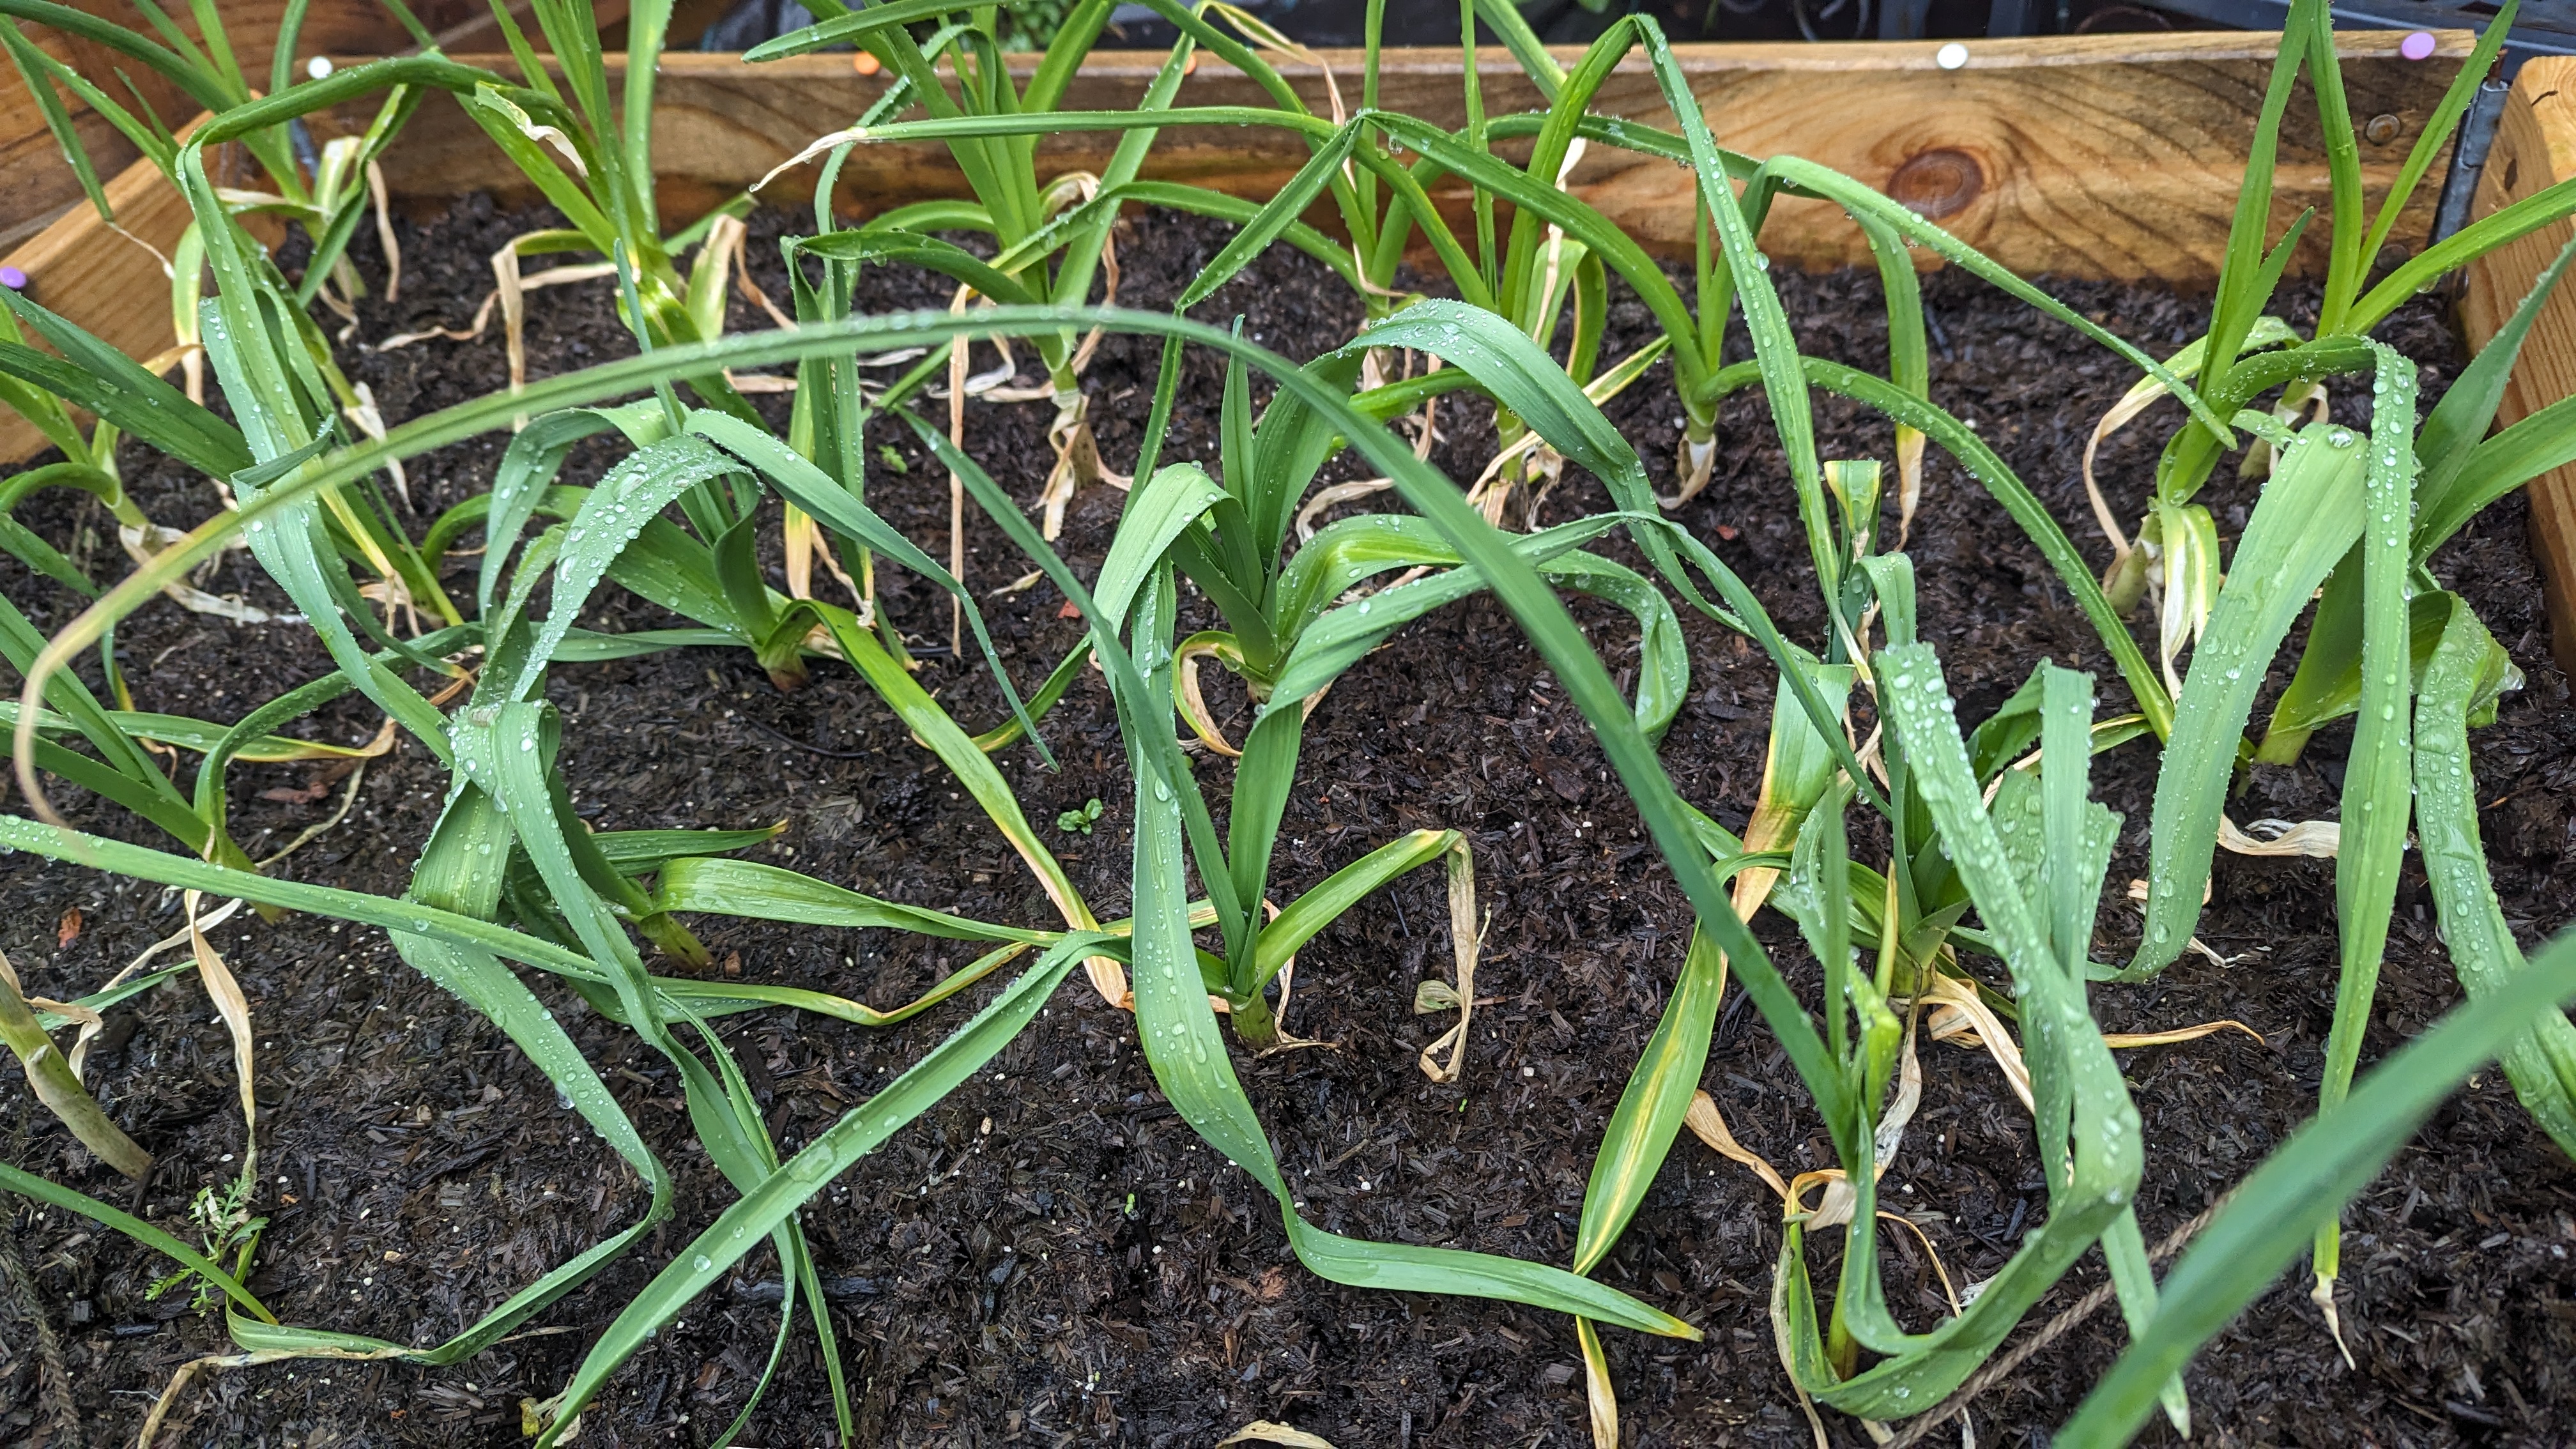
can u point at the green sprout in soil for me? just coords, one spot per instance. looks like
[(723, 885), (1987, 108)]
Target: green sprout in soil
[(224, 1223), (1081, 818)]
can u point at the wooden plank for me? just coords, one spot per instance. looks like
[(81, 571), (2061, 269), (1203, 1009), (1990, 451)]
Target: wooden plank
[(475, 29), (41, 184), (114, 286), (2095, 156), (2535, 146), (112, 282)]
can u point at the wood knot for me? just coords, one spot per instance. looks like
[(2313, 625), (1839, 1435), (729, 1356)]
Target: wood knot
[(1937, 182)]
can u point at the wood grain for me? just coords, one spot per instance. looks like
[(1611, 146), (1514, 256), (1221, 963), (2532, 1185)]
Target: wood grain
[(467, 27), (41, 183), (2095, 156), (2100, 156), (2535, 147), (112, 282)]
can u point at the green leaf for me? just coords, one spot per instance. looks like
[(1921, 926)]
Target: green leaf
[(946, 258), (2378, 784), (1649, 1115), (2457, 250), (2242, 291), (505, 118), (96, 377), (2097, 1136), (2327, 683), (2304, 1185), (1275, 217), (611, 518), (1159, 510), (525, 480), (850, 25), (28, 1185), (2439, 134), (1299, 921), (1329, 644), (770, 1203), (1663, 657), (766, 892), (2541, 1063), (641, 852), (2307, 516), (41, 73), (2460, 420), (2495, 467)]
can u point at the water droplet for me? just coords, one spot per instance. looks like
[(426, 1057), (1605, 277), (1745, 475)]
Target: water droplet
[(702, 1263)]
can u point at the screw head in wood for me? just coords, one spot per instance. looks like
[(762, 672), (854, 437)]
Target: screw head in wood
[(2382, 129)]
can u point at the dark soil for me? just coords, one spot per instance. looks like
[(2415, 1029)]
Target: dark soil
[(1049, 1257)]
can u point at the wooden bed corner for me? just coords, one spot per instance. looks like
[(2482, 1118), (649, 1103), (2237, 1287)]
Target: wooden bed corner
[(2535, 148)]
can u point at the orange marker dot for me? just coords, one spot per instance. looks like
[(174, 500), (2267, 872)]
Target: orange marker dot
[(865, 63)]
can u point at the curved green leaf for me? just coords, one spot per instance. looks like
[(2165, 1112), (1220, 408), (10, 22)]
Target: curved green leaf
[(2542, 1063), (2306, 519), (2304, 1185)]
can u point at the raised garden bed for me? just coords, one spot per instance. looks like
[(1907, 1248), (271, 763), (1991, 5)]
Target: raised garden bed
[(1051, 1252)]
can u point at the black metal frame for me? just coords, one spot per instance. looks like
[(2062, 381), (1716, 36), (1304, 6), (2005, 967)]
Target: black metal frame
[(2542, 27)]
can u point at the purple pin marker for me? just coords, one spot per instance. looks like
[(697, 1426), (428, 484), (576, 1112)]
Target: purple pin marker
[(13, 279), (2418, 45)]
